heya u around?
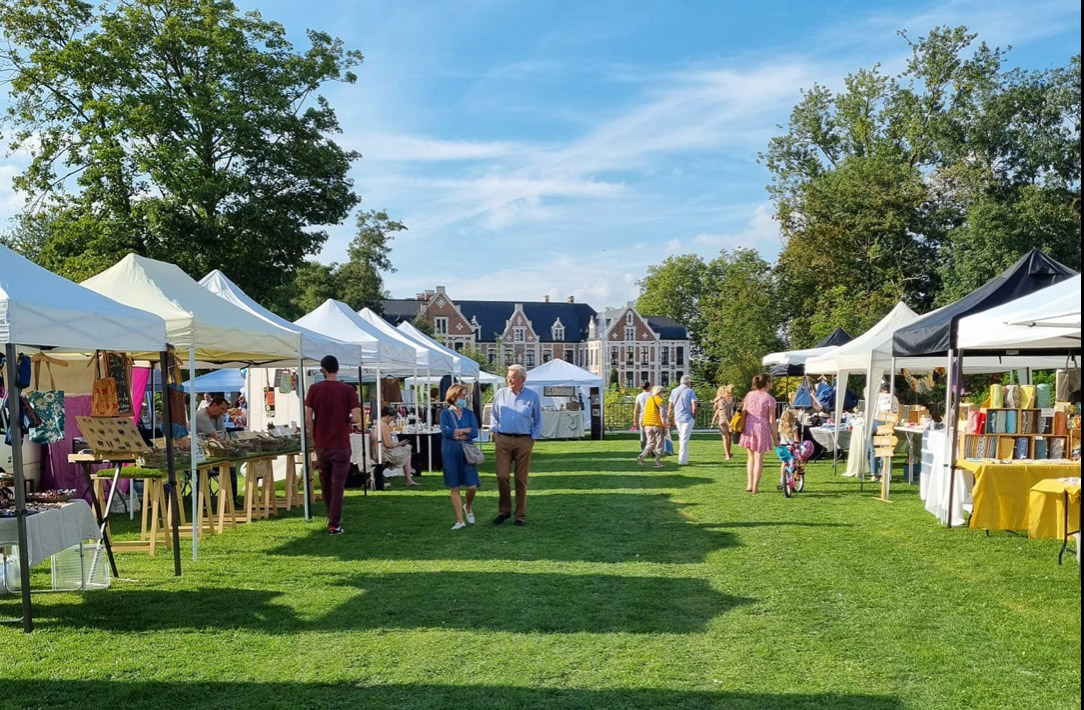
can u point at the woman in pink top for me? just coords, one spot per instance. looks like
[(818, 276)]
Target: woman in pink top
[(758, 435)]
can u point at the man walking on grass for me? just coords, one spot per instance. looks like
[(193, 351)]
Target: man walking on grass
[(331, 407), (682, 412), (517, 424)]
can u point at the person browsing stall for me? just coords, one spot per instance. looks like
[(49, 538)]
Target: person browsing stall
[(517, 424), (459, 426), (331, 407)]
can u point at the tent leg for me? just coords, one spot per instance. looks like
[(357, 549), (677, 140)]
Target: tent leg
[(378, 420), (429, 417), (952, 413), (192, 448), (171, 471), (306, 473), (14, 416)]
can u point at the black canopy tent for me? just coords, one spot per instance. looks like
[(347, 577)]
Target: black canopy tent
[(935, 334), (837, 337)]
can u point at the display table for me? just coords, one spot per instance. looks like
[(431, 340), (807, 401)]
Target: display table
[(1002, 490), (933, 482), (52, 531), (825, 436), (1053, 506), (361, 456), (562, 424)]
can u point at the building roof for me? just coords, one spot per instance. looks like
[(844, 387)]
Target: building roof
[(492, 317), (397, 310), (667, 328)]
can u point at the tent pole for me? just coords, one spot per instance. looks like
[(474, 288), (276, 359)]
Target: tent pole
[(306, 473), (837, 414), (15, 418), (364, 434), (378, 421), (192, 448), (171, 471), (429, 416), (950, 424)]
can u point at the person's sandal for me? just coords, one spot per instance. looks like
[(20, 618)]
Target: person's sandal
[(459, 526)]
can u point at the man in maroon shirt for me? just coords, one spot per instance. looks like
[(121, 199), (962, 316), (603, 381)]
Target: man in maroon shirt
[(330, 408)]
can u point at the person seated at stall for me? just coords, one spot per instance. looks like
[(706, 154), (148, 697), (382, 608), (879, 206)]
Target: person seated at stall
[(396, 454), (211, 423)]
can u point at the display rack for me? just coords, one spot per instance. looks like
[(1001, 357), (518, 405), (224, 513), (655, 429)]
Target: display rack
[(1019, 433)]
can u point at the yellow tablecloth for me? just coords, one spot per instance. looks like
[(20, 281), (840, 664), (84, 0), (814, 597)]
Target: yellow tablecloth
[(1002, 489), (1046, 509)]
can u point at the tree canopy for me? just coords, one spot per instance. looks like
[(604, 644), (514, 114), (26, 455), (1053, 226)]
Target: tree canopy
[(183, 130)]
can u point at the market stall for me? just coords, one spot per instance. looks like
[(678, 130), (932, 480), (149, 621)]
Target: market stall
[(40, 313), (313, 346), (566, 389), (792, 362), (937, 336), (212, 332)]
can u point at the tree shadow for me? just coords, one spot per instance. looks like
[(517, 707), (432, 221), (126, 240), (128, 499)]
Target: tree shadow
[(520, 602), (596, 527), (402, 696)]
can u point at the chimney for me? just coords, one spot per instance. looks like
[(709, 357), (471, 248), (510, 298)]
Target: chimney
[(546, 298), (440, 289), (571, 299)]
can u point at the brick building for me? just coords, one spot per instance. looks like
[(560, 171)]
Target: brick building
[(638, 347)]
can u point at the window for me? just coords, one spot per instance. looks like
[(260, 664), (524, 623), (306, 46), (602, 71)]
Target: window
[(664, 354), (630, 357), (678, 375), (509, 356), (614, 356), (458, 346), (558, 332), (520, 333), (628, 318), (644, 355), (547, 355), (630, 334), (665, 379), (529, 358), (679, 356), (492, 356), (643, 376), (440, 325), (628, 378), (570, 355)]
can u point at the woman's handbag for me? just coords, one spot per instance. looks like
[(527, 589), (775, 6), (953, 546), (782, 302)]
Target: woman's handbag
[(737, 422), (473, 454)]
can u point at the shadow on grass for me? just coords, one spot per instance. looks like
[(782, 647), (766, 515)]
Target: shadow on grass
[(587, 527), (211, 695), (532, 603), (528, 603)]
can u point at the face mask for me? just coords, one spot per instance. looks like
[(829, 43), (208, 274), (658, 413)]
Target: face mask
[(461, 403)]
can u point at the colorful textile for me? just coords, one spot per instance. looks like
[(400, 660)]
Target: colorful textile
[(1042, 396), (997, 396), (49, 406), (1027, 396)]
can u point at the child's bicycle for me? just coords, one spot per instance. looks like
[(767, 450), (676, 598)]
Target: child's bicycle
[(794, 457)]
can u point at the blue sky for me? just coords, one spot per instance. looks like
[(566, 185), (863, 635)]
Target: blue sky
[(560, 148)]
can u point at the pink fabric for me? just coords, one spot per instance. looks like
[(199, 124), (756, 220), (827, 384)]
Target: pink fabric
[(757, 434), (140, 377)]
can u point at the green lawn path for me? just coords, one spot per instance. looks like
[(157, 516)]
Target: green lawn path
[(629, 588)]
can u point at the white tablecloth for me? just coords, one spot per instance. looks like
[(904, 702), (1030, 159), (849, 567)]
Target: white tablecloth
[(824, 435), (933, 484), (562, 425), (52, 531)]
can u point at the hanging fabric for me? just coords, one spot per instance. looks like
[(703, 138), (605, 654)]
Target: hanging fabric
[(48, 404), (103, 396)]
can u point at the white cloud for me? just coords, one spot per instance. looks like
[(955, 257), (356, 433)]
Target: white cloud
[(391, 147)]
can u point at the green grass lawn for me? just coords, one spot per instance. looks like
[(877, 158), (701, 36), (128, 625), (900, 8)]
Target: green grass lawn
[(628, 588)]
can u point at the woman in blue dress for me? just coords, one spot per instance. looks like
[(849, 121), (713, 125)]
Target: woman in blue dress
[(458, 425)]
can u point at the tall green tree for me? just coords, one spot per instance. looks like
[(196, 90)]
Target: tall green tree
[(920, 186), (674, 289), (360, 279), (180, 129), (742, 315)]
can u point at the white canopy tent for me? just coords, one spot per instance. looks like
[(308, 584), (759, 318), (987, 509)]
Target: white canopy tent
[(211, 330), (40, 311), (379, 349), (464, 366), (483, 378), (795, 357), (1046, 319), (560, 373), (312, 347)]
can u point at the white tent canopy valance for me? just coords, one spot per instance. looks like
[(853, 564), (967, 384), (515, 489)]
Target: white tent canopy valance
[(464, 366), (195, 318), (313, 346), (337, 320), (1048, 318), (39, 309), (558, 373), (427, 359)]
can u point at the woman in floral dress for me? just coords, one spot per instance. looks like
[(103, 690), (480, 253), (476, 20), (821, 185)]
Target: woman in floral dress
[(759, 433)]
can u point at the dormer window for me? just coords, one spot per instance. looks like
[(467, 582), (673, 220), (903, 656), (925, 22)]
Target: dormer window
[(628, 318), (558, 330)]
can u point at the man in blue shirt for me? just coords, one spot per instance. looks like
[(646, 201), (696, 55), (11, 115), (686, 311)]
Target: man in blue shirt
[(683, 409), (517, 423)]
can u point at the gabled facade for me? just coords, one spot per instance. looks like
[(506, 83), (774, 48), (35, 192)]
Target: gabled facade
[(638, 347)]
